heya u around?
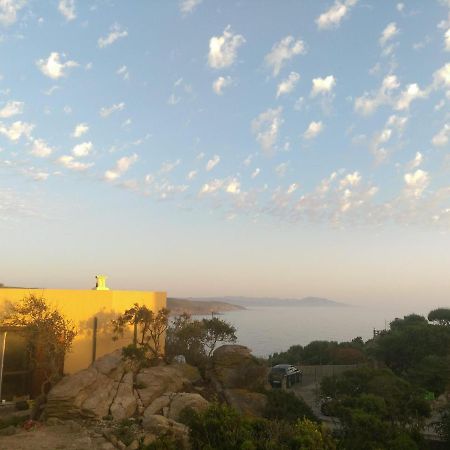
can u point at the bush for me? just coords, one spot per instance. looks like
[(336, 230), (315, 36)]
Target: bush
[(282, 405)]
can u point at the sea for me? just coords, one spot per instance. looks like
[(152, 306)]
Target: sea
[(269, 329)]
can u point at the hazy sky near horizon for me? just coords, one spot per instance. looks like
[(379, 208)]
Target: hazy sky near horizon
[(210, 147)]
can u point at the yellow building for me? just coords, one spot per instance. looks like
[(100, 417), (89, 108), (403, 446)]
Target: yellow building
[(86, 308)]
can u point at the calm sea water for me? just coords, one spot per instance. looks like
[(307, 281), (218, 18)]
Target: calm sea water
[(272, 329)]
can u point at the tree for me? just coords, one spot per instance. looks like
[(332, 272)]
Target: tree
[(440, 315), (48, 334), (149, 329), (216, 330)]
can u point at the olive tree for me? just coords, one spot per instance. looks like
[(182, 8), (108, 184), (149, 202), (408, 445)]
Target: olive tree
[(440, 315)]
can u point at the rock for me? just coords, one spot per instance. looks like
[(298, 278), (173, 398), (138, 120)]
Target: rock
[(88, 393), (246, 402), (124, 404), (149, 438), (152, 382), (134, 445), (233, 366), (82, 443), (52, 421), (184, 400), (160, 425), (159, 404)]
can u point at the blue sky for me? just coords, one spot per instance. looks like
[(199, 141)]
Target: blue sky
[(211, 147)]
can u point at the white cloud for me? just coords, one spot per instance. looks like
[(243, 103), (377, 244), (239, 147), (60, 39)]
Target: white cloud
[(80, 129), (255, 173), (233, 187), (333, 16), (221, 83), (388, 33), (122, 165), (223, 49), (105, 112), (447, 40), (212, 186), (115, 32), (281, 169), (441, 78), (411, 93), (442, 137), (416, 182), (53, 67), (187, 6), (69, 162), (192, 175), (81, 150), (168, 166), (212, 163), (416, 162), (283, 51), (123, 72), (9, 10), (16, 130), (368, 103), (400, 7), (288, 85), (323, 85), (292, 188), (11, 109), (67, 9), (266, 128), (351, 179), (313, 130), (41, 149)]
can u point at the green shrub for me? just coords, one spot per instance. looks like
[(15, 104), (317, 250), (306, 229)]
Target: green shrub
[(282, 405)]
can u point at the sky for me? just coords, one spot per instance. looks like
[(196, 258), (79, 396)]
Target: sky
[(238, 147)]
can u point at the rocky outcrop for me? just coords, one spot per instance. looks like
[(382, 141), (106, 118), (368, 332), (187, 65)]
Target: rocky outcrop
[(162, 426), (171, 404), (234, 367), (108, 388)]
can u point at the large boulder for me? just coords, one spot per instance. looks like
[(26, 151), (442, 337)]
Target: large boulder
[(246, 402), (107, 388), (234, 367), (88, 393), (171, 404), (152, 382), (162, 426)]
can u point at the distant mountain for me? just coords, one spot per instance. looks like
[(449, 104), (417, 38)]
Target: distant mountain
[(199, 308), (269, 301)]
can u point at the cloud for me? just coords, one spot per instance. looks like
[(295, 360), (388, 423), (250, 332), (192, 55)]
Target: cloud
[(221, 83), (52, 67), (212, 163), (416, 162), (69, 162), (442, 137), (187, 6), (282, 52), (16, 130), (123, 72), (416, 182), (288, 85), (115, 32), (266, 128), (67, 9), (441, 78), (81, 150), (351, 179), (168, 166), (333, 16), (41, 149), (370, 102), (281, 169), (313, 130), (223, 49), (11, 109), (255, 173), (122, 166), (411, 93), (323, 85), (192, 175), (9, 10), (212, 187), (105, 112), (388, 33), (233, 187), (80, 129)]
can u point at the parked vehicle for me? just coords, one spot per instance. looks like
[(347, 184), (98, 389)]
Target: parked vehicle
[(284, 375)]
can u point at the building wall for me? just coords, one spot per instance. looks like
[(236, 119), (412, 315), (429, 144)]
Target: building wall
[(81, 306)]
